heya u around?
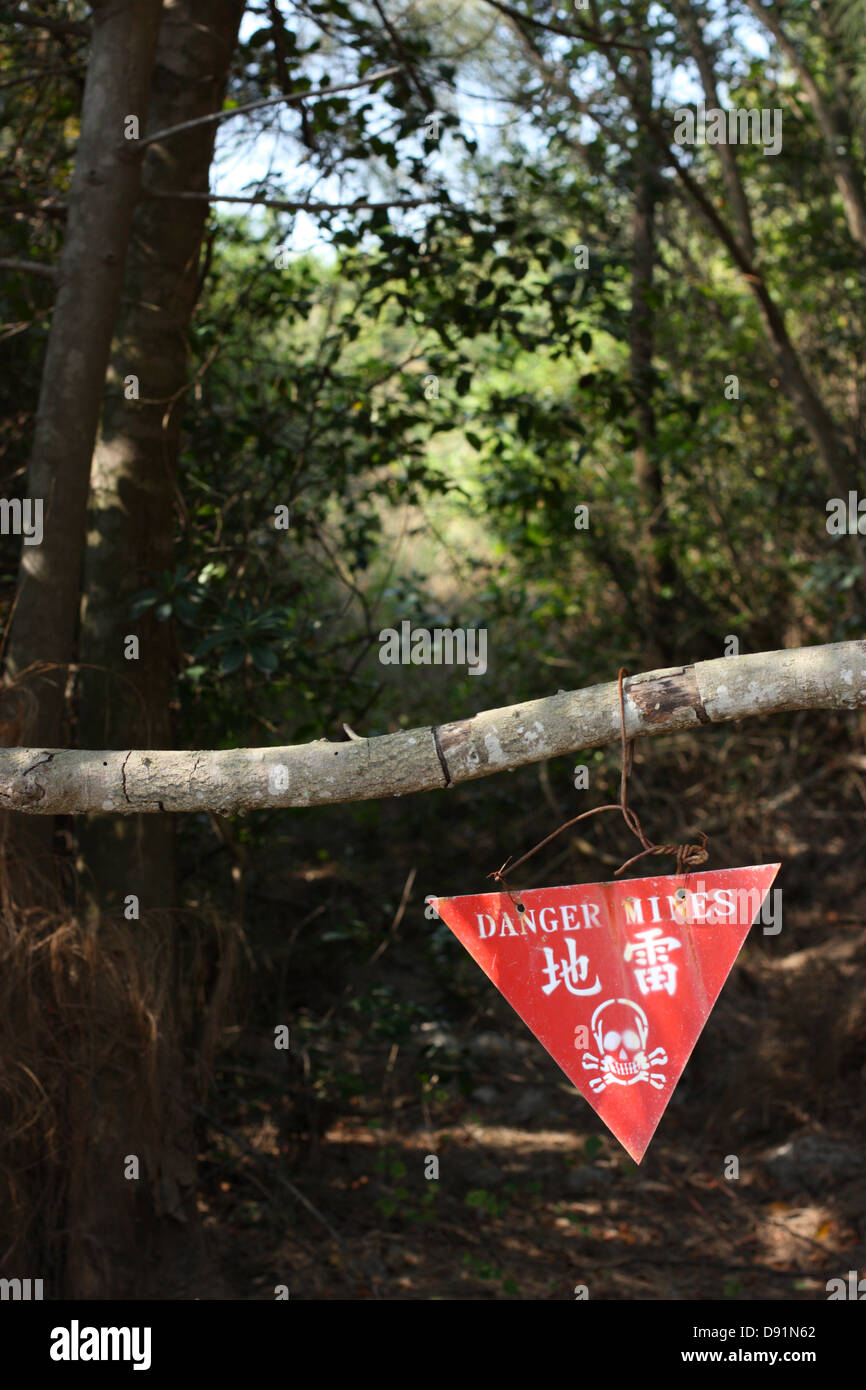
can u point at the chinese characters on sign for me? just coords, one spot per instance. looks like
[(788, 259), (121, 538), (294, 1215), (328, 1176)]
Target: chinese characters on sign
[(568, 972), (652, 952)]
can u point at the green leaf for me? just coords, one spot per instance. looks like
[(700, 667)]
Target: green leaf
[(264, 659), (232, 658)]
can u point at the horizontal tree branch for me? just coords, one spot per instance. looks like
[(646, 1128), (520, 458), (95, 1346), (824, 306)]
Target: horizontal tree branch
[(285, 206), (578, 32), (52, 26), (68, 781), (41, 268), (282, 100), (46, 208)]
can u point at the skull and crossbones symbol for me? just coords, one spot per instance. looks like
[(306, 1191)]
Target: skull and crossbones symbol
[(620, 1029)]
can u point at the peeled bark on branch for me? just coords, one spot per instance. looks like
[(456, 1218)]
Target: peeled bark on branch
[(60, 781)]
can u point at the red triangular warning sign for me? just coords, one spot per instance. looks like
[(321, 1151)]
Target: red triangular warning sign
[(616, 980)]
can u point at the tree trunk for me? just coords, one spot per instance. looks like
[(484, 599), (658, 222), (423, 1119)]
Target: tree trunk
[(90, 275), (833, 121), (101, 201), (660, 578), (736, 193), (127, 703)]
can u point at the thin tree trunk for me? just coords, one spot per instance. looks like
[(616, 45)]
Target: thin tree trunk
[(737, 200), (102, 197), (836, 457), (660, 578), (833, 122)]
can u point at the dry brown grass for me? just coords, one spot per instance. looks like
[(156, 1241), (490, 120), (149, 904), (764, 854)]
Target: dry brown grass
[(107, 1033)]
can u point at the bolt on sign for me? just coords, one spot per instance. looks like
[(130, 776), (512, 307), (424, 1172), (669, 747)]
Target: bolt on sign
[(616, 980)]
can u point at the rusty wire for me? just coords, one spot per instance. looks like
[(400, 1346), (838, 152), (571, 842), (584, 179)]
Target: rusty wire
[(687, 856)]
